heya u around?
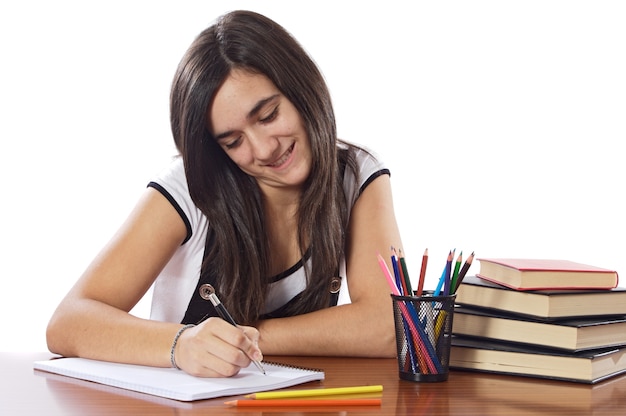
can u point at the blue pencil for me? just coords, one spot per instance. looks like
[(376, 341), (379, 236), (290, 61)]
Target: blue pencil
[(444, 280), (396, 273), (440, 282), (448, 275)]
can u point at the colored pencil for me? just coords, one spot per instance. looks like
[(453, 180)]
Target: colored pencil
[(441, 318), (455, 273), (405, 275), (396, 273), (448, 273), (463, 271), (420, 284), (304, 402), (425, 350), (287, 394), (390, 280), (440, 282), (413, 360), (445, 275)]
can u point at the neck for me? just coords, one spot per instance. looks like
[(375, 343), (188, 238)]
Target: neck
[(282, 201), (281, 218)]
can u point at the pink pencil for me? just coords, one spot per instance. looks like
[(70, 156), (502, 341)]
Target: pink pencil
[(387, 273)]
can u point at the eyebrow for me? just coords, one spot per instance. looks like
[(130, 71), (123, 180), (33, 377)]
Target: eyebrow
[(251, 114)]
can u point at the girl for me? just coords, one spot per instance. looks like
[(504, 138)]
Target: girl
[(265, 207)]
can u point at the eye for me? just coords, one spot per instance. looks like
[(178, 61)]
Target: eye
[(233, 144), (270, 117)]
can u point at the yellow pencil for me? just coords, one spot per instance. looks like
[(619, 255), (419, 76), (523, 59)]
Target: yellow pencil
[(282, 394)]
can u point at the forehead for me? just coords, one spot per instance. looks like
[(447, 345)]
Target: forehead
[(241, 81), (239, 93)]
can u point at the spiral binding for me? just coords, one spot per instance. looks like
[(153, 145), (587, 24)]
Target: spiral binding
[(291, 366)]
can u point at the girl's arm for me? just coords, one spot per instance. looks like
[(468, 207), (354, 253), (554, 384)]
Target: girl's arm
[(365, 327), (92, 321)]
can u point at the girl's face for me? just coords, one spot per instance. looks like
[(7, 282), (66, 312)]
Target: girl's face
[(261, 131)]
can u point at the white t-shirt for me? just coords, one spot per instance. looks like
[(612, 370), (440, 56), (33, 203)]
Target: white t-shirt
[(176, 283)]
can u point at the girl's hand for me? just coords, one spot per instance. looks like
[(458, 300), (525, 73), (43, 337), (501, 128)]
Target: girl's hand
[(216, 348)]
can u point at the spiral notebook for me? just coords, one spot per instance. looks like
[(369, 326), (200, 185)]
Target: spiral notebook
[(178, 385)]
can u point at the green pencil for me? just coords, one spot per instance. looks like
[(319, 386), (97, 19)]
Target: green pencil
[(405, 274), (464, 270), (455, 274)]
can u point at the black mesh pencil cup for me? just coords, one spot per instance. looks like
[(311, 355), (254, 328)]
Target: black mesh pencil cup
[(423, 336)]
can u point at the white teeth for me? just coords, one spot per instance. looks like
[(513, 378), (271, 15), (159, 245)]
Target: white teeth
[(282, 159)]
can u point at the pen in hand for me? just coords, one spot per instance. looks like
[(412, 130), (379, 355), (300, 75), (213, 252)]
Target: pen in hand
[(228, 318)]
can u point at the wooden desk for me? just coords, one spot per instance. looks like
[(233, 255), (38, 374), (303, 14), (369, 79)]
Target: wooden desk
[(24, 391)]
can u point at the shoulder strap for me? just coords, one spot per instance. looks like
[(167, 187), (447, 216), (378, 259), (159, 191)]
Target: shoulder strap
[(199, 308)]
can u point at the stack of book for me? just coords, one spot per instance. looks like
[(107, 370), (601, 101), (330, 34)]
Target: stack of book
[(541, 318)]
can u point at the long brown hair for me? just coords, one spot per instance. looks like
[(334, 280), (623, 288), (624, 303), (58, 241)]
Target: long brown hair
[(231, 200)]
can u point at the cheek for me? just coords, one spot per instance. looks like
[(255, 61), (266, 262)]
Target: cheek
[(284, 127), (292, 123), (241, 156)]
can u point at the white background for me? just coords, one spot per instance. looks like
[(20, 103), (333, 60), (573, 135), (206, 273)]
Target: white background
[(503, 123)]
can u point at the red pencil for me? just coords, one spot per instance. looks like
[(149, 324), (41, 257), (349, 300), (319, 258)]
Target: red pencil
[(420, 284), (304, 402)]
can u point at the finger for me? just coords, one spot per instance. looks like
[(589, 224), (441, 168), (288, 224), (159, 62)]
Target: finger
[(213, 349), (254, 352), (245, 340)]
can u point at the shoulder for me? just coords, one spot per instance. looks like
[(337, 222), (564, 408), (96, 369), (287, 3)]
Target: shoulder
[(172, 184), (172, 178), (363, 166)]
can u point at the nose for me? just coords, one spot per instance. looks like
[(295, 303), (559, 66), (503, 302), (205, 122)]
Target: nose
[(263, 146)]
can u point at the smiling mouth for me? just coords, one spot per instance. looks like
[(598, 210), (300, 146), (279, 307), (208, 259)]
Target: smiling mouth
[(283, 158)]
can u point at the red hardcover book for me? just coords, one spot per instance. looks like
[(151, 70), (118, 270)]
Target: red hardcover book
[(546, 274)]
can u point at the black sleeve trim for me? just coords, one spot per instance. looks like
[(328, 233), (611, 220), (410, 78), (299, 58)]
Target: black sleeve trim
[(372, 177), (180, 211)]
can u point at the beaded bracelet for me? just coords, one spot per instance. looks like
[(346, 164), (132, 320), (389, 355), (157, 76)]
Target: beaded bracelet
[(178, 334)]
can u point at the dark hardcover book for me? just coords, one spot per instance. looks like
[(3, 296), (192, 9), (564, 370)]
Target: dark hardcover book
[(589, 366), (544, 304), (490, 395), (569, 334)]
